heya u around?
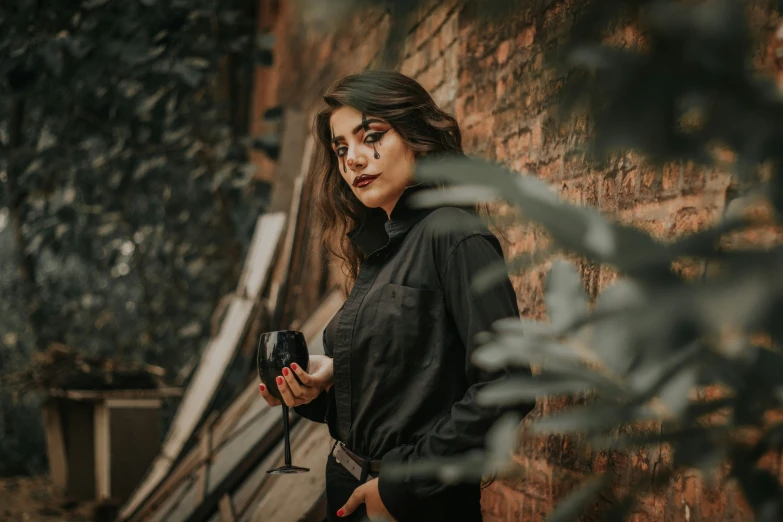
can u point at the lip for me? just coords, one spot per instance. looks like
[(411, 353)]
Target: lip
[(364, 180)]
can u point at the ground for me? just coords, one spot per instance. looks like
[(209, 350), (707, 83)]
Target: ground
[(30, 499)]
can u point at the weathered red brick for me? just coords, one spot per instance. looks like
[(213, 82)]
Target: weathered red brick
[(671, 176), (628, 188), (495, 80), (608, 196)]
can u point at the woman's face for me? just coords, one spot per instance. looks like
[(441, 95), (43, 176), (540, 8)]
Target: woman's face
[(373, 159)]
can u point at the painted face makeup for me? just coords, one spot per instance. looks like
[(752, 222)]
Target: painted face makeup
[(366, 127), (371, 137), (376, 177)]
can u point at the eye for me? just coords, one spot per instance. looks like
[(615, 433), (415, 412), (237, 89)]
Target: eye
[(341, 151), (374, 137)]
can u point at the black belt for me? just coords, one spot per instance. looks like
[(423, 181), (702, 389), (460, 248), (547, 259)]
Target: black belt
[(357, 466)]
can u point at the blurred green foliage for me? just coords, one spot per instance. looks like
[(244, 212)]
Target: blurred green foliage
[(695, 365), (126, 198)]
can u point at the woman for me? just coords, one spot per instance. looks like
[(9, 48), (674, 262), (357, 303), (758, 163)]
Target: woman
[(396, 384)]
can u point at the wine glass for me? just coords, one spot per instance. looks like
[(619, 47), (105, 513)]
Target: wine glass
[(277, 350)]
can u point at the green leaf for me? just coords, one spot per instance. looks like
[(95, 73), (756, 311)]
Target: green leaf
[(564, 295), (501, 441), (188, 73), (516, 390), (462, 195), (514, 350), (570, 508), (675, 394), (578, 229), (593, 418), (520, 326)]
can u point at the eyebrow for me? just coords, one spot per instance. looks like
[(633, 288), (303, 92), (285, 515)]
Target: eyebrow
[(363, 125)]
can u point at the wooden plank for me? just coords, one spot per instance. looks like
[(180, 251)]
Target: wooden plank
[(291, 304), (174, 480), (216, 358), (55, 445), (295, 133), (226, 509), (282, 268), (264, 245), (205, 447), (102, 395), (133, 403), (266, 433), (263, 440), (227, 420), (292, 497), (102, 452)]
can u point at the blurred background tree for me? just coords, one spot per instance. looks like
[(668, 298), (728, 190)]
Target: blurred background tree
[(126, 196)]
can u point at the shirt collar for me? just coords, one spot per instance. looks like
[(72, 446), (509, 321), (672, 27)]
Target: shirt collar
[(377, 231)]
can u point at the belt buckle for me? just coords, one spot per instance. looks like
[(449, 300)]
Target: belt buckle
[(342, 458)]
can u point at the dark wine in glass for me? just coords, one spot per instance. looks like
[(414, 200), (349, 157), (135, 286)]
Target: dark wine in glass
[(277, 350)]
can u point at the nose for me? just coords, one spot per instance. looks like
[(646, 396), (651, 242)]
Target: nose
[(355, 159)]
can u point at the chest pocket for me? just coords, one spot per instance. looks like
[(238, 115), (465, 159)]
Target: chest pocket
[(407, 326)]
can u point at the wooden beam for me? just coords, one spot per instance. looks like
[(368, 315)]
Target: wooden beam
[(133, 403), (278, 499), (55, 445), (226, 509), (205, 448), (263, 246), (282, 270), (102, 452), (102, 395), (292, 146)]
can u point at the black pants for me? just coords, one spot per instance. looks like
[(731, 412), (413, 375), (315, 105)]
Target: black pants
[(462, 503), (340, 484)]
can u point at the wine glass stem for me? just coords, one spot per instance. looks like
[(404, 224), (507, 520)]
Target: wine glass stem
[(287, 440)]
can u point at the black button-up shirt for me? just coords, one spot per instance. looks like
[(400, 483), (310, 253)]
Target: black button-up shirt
[(404, 387)]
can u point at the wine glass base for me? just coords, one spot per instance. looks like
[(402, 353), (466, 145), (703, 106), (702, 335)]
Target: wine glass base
[(285, 470)]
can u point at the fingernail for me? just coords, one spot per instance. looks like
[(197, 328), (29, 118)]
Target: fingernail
[(279, 381), (285, 372), (340, 513), (293, 366), (261, 387)]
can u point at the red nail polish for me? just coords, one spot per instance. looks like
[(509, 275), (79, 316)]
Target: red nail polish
[(285, 372), (279, 381), (340, 513), (261, 387), (293, 366)]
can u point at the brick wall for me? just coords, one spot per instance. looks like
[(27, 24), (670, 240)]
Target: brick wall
[(496, 83)]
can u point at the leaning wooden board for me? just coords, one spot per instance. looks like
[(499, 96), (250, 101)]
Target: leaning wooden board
[(241, 441), (216, 358)]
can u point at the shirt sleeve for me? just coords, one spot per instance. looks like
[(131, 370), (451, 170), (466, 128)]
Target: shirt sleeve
[(317, 410), (465, 427)]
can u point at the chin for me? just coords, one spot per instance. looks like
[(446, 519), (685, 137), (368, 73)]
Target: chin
[(370, 200)]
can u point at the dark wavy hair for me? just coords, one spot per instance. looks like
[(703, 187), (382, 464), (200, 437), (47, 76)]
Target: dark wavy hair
[(413, 114)]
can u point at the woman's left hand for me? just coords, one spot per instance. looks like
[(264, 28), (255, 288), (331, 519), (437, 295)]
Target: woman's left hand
[(368, 495), (319, 378)]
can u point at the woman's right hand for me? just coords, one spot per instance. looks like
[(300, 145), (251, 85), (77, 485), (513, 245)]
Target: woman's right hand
[(318, 377)]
